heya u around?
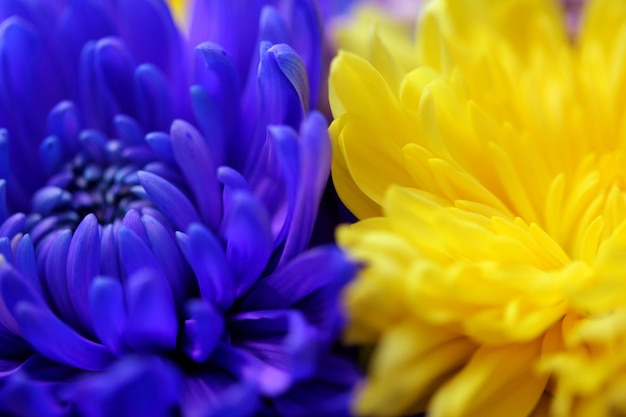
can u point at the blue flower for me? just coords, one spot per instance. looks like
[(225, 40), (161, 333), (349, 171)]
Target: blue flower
[(149, 266)]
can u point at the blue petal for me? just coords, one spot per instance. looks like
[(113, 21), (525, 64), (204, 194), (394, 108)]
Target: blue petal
[(282, 340), (272, 26), (168, 255), (311, 283), (13, 225), (154, 97), (128, 130), (242, 14), (315, 157), (132, 220), (4, 212), (5, 250), (94, 143), (13, 290), (329, 393), (291, 65), (204, 326), (109, 253), (132, 387), (64, 123), (56, 278), (246, 229), (232, 178), (48, 198), (216, 97), (152, 324), (172, 202), (240, 400), (307, 40), (57, 341), (22, 397), (154, 38), (197, 165), (282, 85), (106, 298), (4, 154), (83, 265), (284, 141), (134, 252), (106, 82), (161, 144), (211, 120), (208, 261), (51, 154), (25, 261)]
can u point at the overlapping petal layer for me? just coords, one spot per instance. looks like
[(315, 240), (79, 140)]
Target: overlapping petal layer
[(490, 180), (150, 267)]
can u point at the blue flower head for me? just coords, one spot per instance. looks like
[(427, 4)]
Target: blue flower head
[(156, 204)]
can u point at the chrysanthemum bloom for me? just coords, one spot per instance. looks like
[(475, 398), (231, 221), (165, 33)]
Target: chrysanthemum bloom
[(148, 267), (491, 183)]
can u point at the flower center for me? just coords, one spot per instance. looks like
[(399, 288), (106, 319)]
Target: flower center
[(106, 185)]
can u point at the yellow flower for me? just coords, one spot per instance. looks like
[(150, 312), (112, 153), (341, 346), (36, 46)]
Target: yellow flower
[(490, 180), (180, 10)]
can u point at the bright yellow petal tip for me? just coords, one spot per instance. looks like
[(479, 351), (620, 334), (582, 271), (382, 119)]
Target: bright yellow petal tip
[(486, 160)]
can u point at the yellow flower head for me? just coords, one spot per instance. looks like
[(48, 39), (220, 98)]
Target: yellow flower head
[(487, 163)]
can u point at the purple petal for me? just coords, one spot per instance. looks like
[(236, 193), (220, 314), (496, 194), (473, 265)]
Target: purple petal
[(4, 212), (5, 250), (272, 26), (83, 265), (307, 40), (134, 252), (49, 198), (25, 261), (291, 65), (56, 278), (246, 229), (197, 165), (310, 282), (51, 154), (133, 386), (284, 141), (315, 156), (282, 340), (172, 202), (109, 253), (280, 92), (328, 393), (128, 130), (161, 144), (168, 255), (64, 123), (22, 397), (106, 298), (203, 329), (208, 261), (154, 97), (211, 120), (57, 341), (132, 220), (13, 225), (152, 324)]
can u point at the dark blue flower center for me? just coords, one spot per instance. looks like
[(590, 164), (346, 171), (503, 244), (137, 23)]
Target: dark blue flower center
[(108, 188), (108, 192)]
